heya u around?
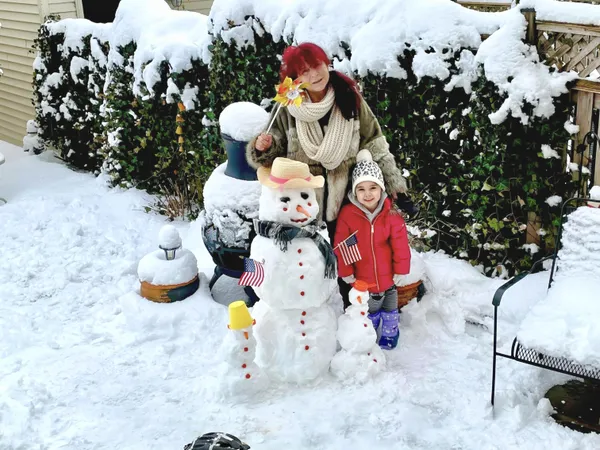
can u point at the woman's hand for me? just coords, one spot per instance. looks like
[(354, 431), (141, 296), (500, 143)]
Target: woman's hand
[(263, 142)]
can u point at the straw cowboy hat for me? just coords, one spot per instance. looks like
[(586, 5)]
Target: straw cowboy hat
[(288, 174)]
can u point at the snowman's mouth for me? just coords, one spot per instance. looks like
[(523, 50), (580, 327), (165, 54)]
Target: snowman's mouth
[(299, 220)]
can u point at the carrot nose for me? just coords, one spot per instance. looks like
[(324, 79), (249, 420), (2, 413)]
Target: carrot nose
[(300, 209), (359, 299), (246, 335)]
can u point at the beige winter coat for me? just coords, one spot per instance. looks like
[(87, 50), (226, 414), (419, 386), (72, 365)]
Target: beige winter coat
[(367, 134)]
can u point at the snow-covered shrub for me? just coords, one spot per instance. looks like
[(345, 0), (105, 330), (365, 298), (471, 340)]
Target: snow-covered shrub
[(69, 73)]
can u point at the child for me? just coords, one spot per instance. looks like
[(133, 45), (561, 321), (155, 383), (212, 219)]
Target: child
[(382, 242)]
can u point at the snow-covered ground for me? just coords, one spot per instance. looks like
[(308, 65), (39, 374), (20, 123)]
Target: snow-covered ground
[(87, 364)]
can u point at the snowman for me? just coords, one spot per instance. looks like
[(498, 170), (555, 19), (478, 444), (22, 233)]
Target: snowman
[(240, 376), (360, 357), (295, 322)]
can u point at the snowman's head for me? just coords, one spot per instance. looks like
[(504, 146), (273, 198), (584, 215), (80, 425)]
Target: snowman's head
[(295, 207), (359, 294)]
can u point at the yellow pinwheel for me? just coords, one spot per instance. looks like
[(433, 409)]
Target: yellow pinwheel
[(290, 92)]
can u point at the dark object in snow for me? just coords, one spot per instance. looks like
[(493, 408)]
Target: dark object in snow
[(217, 441), (530, 356), (237, 165), (577, 405), (405, 204), (229, 261)]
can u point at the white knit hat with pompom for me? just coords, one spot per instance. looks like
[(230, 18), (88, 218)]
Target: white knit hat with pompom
[(366, 170)]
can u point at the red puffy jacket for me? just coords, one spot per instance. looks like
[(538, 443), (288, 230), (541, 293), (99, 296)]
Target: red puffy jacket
[(383, 245)]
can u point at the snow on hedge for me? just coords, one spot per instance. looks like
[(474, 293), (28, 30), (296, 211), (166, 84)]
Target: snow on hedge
[(379, 31), (160, 34)]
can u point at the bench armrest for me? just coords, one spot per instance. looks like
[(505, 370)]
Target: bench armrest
[(502, 289)]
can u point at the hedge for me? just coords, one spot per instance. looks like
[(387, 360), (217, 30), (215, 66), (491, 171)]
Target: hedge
[(477, 184)]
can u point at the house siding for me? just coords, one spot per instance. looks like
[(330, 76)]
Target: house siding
[(201, 6), (20, 21)]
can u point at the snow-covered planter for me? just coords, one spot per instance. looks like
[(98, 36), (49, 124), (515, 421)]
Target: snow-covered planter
[(169, 274), (412, 286)]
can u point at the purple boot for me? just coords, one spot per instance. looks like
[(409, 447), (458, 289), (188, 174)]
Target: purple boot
[(375, 318), (389, 330)]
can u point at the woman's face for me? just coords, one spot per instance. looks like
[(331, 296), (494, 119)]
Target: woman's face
[(318, 77)]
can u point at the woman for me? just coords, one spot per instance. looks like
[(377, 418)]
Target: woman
[(326, 131)]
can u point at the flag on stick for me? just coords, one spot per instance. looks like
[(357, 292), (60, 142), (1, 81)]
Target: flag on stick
[(254, 273), (349, 249)]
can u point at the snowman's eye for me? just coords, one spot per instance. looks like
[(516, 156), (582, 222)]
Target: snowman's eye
[(304, 195), (284, 199)]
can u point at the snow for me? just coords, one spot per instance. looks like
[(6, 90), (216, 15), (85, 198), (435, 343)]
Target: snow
[(156, 269), (238, 376), (168, 237), (160, 34), (433, 29), (31, 141), (595, 193), (571, 128), (548, 152), (243, 120), (360, 358), (564, 323), (554, 200), (86, 363), (228, 202), (417, 268), (560, 11)]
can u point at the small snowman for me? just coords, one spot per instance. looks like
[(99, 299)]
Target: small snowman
[(360, 357), (171, 273), (240, 376), (295, 322)]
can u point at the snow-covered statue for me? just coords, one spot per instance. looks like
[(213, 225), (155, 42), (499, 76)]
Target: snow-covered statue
[(295, 323), (239, 374), (360, 357)]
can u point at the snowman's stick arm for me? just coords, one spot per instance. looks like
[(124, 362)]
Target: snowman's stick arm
[(345, 240), (274, 117)]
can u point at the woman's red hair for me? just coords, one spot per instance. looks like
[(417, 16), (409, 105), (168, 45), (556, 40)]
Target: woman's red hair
[(308, 55)]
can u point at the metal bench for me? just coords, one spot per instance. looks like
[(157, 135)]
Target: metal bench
[(530, 356)]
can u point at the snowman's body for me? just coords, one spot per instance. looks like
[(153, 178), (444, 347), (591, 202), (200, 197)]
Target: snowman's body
[(295, 324)]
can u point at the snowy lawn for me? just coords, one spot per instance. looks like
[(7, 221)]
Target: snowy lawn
[(86, 364)]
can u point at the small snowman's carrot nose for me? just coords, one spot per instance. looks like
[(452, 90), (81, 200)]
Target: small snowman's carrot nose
[(359, 299), (246, 335), (300, 209)]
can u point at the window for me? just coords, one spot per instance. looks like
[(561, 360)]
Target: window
[(101, 11)]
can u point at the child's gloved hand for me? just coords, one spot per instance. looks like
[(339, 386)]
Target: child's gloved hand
[(349, 279), (400, 280)]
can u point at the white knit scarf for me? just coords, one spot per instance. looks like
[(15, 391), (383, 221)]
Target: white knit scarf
[(330, 150)]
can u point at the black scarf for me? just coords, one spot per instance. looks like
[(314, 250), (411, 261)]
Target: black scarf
[(282, 234)]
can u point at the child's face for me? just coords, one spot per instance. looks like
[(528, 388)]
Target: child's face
[(368, 194)]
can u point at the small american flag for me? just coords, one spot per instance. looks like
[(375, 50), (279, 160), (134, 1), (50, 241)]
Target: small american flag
[(254, 273), (349, 250)]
